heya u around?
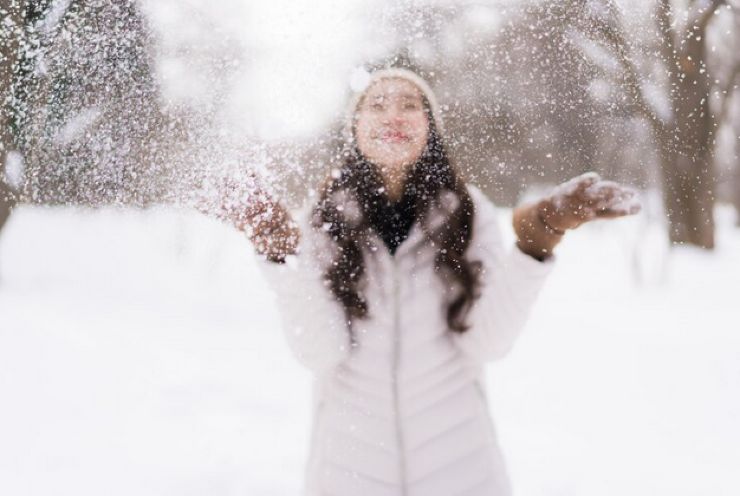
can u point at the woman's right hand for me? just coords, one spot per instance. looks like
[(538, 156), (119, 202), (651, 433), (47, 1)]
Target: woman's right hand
[(268, 225), (271, 229)]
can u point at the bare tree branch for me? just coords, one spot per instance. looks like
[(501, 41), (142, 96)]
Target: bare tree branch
[(702, 18), (728, 93), (668, 38), (612, 35)]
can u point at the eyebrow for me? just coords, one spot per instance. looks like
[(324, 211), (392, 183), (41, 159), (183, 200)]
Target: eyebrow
[(408, 96)]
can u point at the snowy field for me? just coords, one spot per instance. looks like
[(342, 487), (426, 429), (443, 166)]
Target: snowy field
[(139, 355)]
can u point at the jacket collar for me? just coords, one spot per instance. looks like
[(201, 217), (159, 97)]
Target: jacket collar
[(413, 241)]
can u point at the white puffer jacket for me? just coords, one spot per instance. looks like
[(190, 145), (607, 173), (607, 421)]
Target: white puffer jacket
[(403, 411)]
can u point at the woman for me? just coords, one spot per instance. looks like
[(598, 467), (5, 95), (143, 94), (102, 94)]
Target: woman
[(395, 289)]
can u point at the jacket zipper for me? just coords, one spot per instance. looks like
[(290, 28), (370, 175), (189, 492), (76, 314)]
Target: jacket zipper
[(394, 378)]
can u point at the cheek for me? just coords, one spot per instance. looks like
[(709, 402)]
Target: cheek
[(420, 124), (363, 129), (363, 136)]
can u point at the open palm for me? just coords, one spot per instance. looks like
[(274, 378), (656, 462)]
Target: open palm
[(585, 198)]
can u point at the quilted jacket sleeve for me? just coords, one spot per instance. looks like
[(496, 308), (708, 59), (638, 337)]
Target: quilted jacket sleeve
[(312, 320), (510, 283)]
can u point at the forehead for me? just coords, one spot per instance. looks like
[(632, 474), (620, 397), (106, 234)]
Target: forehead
[(393, 88)]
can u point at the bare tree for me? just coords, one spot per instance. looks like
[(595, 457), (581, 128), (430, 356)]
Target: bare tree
[(726, 115), (94, 117), (684, 137), (10, 34)]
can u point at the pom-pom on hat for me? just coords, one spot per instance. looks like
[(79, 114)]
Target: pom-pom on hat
[(361, 80)]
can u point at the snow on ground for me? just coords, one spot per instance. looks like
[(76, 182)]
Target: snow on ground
[(139, 355)]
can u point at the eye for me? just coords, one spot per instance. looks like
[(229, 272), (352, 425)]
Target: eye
[(377, 106), (411, 105)]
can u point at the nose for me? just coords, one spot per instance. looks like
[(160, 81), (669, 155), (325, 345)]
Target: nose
[(394, 117)]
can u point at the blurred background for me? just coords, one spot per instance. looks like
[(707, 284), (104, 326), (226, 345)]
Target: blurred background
[(139, 347)]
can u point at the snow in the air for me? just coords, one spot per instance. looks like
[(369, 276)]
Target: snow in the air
[(140, 351)]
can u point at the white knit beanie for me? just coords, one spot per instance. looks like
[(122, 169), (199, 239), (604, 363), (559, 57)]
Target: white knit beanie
[(361, 80)]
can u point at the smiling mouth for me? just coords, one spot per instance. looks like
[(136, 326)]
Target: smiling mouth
[(394, 137)]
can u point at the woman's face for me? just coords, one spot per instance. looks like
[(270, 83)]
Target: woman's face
[(391, 125)]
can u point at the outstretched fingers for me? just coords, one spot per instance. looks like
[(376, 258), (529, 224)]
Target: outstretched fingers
[(610, 200), (573, 188), (587, 197)]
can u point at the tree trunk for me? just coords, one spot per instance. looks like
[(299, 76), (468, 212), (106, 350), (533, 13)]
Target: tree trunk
[(736, 182), (687, 146), (8, 54), (688, 197)]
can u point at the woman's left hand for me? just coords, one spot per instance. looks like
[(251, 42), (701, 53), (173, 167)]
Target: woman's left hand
[(540, 226), (585, 198)]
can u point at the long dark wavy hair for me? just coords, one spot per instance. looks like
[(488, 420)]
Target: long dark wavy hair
[(351, 206)]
